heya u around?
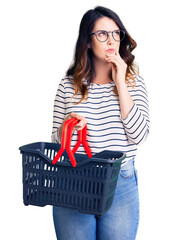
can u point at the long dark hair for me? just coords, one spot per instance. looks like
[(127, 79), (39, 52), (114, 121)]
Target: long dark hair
[(82, 66)]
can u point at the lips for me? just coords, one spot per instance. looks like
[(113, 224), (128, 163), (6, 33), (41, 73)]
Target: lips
[(110, 50)]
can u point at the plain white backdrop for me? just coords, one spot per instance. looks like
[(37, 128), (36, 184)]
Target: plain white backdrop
[(36, 48)]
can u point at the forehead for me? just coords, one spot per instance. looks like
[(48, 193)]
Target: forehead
[(105, 23)]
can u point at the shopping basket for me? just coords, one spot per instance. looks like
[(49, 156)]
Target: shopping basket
[(89, 187)]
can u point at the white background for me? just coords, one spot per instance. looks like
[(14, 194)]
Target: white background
[(36, 48)]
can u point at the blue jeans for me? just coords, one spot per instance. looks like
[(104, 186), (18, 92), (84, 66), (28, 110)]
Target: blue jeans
[(119, 223)]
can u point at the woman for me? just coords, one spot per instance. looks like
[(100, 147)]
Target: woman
[(103, 89)]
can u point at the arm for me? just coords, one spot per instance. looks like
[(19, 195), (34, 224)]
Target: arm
[(126, 102), (60, 116), (59, 112), (135, 113), (134, 109)]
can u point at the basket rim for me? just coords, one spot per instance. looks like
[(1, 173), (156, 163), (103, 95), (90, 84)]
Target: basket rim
[(28, 148)]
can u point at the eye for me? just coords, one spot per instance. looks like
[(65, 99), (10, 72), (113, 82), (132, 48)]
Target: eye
[(117, 32), (102, 33)]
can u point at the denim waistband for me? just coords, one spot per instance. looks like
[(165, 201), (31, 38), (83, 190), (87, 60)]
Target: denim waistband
[(129, 164)]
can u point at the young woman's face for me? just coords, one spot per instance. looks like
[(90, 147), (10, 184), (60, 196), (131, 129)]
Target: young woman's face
[(100, 48)]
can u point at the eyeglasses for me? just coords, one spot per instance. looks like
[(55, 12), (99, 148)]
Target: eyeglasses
[(102, 35)]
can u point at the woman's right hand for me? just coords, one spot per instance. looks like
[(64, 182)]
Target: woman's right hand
[(82, 123)]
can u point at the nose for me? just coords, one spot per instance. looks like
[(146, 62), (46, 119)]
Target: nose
[(110, 39)]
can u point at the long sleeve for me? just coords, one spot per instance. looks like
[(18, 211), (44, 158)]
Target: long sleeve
[(136, 124), (59, 111)]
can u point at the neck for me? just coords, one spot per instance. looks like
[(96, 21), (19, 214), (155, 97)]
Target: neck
[(102, 72)]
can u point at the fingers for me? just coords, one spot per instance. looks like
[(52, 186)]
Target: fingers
[(116, 59), (82, 123), (82, 120), (117, 52)]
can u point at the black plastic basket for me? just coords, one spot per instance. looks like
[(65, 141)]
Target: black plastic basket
[(89, 187)]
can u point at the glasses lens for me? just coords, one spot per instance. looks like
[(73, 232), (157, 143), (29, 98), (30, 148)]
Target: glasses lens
[(118, 35), (102, 36)]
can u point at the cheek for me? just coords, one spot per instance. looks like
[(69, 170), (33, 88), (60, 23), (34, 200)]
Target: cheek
[(97, 48), (118, 46)]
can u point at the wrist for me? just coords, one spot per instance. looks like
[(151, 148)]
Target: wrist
[(60, 130), (121, 86)]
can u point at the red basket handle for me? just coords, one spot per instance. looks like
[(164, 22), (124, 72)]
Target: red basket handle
[(82, 139), (63, 142), (68, 143), (67, 132)]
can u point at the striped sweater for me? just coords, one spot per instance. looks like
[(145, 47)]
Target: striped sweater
[(106, 128)]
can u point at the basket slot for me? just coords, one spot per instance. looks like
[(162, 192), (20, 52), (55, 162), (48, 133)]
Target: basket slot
[(31, 194), (45, 166), (94, 171), (47, 196), (58, 197), (63, 183), (70, 200), (49, 182), (53, 154), (37, 166), (86, 186), (45, 151), (94, 188), (50, 153), (94, 204), (53, 181), (33, 162), (91, 204), (75, 185), (66, 184), (59, 182), (32, 179), (87, 203), (71, 184), (76, 200), (45, 182), (99, 188), (62, 158), (99, 168), (89, 187)]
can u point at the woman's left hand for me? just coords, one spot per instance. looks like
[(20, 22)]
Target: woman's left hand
[(119, 67)]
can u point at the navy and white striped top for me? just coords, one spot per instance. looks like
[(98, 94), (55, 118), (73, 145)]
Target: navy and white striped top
[(106, 128)]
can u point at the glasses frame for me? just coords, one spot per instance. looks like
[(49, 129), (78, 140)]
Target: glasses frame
[(108, 32)]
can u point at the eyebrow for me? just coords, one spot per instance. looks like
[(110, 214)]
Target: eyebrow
[(106, 30)]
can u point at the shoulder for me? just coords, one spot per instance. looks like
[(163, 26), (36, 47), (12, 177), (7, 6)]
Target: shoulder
[(66, 86), (140, 84), (139, 80), (66, 81)]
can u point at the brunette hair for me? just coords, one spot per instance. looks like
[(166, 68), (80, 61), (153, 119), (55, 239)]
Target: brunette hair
[(82, 66)]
